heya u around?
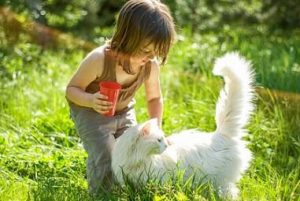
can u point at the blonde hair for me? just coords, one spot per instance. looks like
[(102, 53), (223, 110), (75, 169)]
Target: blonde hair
[(141, 21)]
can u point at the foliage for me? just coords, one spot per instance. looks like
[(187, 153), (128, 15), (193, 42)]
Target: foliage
[(203, 15), (283, 14), (275, 59), (88, 16), (84, 16)]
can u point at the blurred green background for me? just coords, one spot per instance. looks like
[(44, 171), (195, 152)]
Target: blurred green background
[(86, 17), (273, 25)]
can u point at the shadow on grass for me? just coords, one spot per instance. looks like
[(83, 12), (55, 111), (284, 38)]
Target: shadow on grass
[(281, 81)]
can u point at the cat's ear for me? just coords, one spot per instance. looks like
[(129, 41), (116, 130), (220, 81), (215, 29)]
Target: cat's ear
[(146, 128), (145, 131), (148, 125)]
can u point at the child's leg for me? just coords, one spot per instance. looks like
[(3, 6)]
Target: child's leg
[(125, 120), (97, 135), (99, 146)]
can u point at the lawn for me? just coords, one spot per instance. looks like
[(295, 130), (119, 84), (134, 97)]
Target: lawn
[(41, 156)]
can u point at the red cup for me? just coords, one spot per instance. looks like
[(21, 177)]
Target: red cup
[(111, 90)]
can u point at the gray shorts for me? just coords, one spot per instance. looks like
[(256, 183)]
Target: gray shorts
[(98, 134)]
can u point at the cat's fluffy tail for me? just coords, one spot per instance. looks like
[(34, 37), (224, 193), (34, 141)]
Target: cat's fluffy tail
[(235, 101)]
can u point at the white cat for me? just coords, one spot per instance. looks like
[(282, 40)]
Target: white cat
[(143, 152)]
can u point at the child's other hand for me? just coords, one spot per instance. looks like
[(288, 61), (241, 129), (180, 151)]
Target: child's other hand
[(100, 103)]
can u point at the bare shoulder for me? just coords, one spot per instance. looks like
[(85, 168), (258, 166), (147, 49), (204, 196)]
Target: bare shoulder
[(95, 60), (89, 69)]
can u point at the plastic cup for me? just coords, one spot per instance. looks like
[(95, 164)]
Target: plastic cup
[(111, 90)]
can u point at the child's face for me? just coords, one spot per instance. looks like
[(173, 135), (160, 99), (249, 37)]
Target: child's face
[(145, 54)]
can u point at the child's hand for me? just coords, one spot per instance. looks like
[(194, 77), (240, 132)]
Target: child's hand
[(100, 103)]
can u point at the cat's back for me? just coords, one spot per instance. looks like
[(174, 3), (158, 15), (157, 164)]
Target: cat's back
[(193, 148), (190, 137), (189, 144)]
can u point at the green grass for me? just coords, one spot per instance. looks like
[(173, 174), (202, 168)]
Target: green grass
[(41, 156)]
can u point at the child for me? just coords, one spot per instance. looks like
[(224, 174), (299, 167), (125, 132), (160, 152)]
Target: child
[(144, 33)]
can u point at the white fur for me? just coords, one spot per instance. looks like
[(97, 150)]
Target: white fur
[(142, 152)]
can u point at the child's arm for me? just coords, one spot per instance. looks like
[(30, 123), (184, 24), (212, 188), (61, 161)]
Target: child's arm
[(89, 69), (153, 94)]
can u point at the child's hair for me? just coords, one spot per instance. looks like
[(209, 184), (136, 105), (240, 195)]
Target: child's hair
[(140, 22)]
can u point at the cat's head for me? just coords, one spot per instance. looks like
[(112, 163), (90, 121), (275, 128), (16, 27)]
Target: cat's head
[(148, 138)]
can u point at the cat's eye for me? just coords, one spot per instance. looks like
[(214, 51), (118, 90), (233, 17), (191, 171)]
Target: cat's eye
[(159, 140)]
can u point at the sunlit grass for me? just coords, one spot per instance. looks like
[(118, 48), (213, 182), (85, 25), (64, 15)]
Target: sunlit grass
[(41, 157)]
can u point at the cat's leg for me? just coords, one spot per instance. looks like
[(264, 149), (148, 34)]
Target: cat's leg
[(229, 191)]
